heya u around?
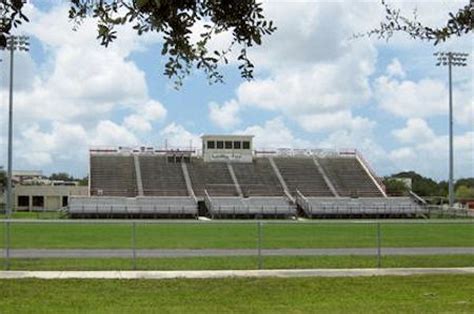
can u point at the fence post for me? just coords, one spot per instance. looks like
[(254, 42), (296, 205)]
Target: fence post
[(259, 245), (7, 244), (134, 250), (379, 249)]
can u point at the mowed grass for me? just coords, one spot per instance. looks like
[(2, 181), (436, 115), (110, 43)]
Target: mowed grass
[(234, 235), (240, 262), (410, 294)]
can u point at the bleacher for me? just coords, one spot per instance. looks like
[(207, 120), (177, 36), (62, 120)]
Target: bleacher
[(137, 207), (251, 207), (161, 178), (148, 183), (348, 177), (257, 178), (113, 175), (213, 177), (360, 207), (301, 173)]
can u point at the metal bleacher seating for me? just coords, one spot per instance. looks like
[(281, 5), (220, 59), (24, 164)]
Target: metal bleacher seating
[(301, 174), (364, 206), (113, 175), (213, 177), (119, 207), (231, 207), (162, 178), (257, 178), (348, 177)]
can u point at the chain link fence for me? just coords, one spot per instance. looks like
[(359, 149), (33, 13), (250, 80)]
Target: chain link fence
[(34, 244)]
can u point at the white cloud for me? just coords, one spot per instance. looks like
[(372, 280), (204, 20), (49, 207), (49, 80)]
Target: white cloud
[(395, 69), (427, 152), (147, 113), (110, 133), (74, 97), (338, 120), (416, 131), (274, 134), (424, 98), (225, 116), (176, 136)]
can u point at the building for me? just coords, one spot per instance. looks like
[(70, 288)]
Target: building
[(45, 197), (227, 148)]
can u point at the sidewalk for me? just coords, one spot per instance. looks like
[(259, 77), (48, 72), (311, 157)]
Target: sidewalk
[(283, 273)]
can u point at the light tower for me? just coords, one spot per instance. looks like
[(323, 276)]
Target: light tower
[(451, 59), (19, 43)]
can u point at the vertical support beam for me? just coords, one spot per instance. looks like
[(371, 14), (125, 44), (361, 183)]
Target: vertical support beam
[(325, 177), (280, 178), (187, 179), (234, 179), (451, 154), (138, 175)]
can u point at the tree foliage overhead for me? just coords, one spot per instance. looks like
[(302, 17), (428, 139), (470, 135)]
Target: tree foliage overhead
[(175, 21), (458, 23)]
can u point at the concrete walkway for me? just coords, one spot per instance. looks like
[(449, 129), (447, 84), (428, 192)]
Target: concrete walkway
[(281, 273), (149, 253)]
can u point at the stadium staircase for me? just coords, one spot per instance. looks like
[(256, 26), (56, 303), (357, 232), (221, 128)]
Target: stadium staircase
[(301, 173), (213, 177), (257, 178), (162, 178), (349, 178)]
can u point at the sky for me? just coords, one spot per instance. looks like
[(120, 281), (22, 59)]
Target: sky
[(314, 87)]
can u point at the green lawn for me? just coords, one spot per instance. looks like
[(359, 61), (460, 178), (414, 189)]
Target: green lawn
[(234, 235), (410, 294), (240, 262)]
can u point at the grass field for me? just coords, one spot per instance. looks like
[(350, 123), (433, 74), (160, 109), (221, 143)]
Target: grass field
[(234, 235), (240, 262), (412, 294)]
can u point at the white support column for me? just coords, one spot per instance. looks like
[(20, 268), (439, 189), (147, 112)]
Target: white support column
[(234, 178), (187, 179), (280, 178), (138, 175), (325, 177)]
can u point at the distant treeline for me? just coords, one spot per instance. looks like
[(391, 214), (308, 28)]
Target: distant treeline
[(428, 187)]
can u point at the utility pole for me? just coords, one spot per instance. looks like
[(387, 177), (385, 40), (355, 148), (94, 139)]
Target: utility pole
[(19, 43), (451, 59)]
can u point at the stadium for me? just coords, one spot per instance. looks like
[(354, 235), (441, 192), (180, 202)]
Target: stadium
[(228, 178)]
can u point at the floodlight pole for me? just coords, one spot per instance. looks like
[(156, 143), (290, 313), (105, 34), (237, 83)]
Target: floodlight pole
[(451, 59), (451, 153), (9, 200), (13, 43)]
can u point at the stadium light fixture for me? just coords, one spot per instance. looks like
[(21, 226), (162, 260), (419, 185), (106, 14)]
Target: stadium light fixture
[(451, 59), (20, 43)]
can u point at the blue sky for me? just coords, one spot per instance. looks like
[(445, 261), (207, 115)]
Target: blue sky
[(313, 88)]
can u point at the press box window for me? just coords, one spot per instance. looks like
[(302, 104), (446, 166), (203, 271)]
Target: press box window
[(246, 145), (211, 144), (228, 145), (236, 145), (220, 144)]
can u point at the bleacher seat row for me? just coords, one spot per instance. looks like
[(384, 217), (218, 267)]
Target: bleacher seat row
[(320, 186)]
